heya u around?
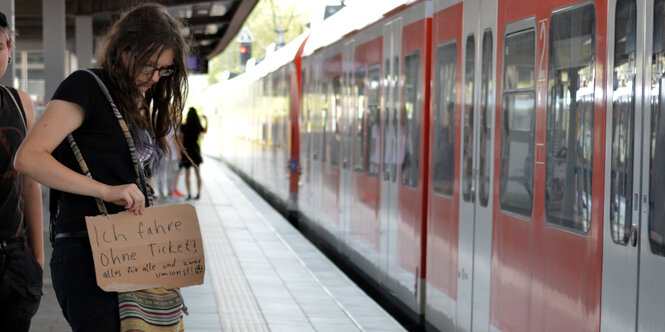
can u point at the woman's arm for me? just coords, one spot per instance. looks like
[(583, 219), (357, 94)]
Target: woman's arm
[(205, 125), (32, 195), (34, 159)]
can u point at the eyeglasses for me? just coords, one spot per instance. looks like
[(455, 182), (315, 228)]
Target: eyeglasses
[(163, 72)]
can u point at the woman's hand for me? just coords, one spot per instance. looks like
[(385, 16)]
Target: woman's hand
[(127, 195)]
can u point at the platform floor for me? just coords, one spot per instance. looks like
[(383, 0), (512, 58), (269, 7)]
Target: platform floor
[(262, 274)]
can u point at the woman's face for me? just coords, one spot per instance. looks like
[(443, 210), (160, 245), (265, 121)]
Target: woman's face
[(5, 52), (159, 65)]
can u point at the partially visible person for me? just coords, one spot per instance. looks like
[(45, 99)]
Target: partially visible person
[(142, 64), (167, 175), (21, 239), (190, 134)]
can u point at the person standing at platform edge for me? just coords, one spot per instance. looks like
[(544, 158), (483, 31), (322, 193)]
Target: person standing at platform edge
[(142, 63), (190, 133), (21, 230)]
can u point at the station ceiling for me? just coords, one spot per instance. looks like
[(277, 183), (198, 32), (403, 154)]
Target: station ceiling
[(211, 25)]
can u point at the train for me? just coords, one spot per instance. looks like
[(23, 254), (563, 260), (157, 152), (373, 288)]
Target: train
[(492, 165)]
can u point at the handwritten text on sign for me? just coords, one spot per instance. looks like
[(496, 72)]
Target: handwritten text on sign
[(160, 248)]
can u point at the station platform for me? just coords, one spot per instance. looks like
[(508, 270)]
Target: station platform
[(262, 274)]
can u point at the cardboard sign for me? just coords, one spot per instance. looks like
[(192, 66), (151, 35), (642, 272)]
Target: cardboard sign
[(160, 248)]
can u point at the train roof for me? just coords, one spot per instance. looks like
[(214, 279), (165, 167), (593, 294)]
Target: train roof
[(357, 15)]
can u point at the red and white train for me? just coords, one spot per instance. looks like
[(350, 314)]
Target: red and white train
[(496, 165)]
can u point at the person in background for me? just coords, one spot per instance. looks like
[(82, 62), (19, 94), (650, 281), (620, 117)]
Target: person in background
[(21, 230), (167, 176), (142, 62), (190, 133)]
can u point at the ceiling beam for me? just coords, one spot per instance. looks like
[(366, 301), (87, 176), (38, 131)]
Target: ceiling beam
[(206, 20), (89, 7)]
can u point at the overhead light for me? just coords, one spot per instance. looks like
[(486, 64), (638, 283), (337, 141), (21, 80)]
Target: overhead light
[(211, 29), (218, 8)]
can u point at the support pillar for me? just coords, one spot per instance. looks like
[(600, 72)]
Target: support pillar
[(84, 41), (54, 39)]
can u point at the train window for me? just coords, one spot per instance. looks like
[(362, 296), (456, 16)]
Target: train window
[(517, 129), (623, 114), (324, 121), (657, 178), (411, 121), (486, 97), (335, 135), (386, 122), (569, 165), (469, 89), (373, 120), (443, 177), (358, 149)]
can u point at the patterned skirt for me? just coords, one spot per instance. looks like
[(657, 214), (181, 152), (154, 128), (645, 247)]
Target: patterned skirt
[(153, 309)]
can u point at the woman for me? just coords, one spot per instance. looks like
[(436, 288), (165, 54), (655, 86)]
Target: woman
[(142, 63), (191, 131), (20, 207)]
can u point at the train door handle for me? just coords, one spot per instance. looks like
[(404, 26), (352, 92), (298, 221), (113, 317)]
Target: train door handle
[(632, 235)]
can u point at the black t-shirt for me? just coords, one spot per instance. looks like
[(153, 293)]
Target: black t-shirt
[(12, 133), (103, 147)]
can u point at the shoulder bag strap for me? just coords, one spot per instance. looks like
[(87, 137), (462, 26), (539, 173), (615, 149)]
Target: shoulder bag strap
[(141, 179), (86, 171)]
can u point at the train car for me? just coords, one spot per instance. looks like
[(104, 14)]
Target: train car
[(492, 165), (342, 182)]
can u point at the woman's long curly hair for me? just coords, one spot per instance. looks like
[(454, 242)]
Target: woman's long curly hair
[(144, 30)]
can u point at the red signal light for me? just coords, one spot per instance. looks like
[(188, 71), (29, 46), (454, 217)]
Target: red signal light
[(243, 49)]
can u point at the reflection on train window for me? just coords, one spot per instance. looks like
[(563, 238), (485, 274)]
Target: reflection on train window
[(324, 121), (273, 120), (386, 121), (517, 128), (335, 135), (390, 122), (467, 151), (266, 101), (569, 166), (486, 97), (305, 116), (284, 112), (410, 140), (373, 120), (359, 91), (345, 125), (623, 115), (443, 177), (657, 164), (395, 118), (314, 125)]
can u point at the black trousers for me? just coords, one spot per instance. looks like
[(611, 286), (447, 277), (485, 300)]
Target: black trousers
[(85, 306), (20, 284)]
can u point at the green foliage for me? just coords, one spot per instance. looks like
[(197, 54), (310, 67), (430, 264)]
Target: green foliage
[(267, 18)]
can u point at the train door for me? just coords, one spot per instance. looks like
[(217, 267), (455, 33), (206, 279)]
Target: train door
[(634, 245), (476, 165), (442, 225), (347, 124), (547, 226), (390, 120)]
